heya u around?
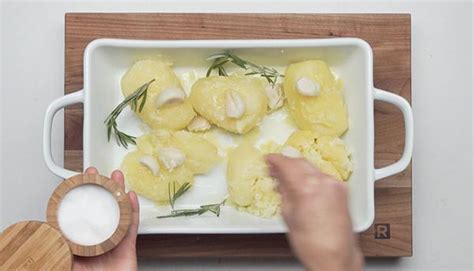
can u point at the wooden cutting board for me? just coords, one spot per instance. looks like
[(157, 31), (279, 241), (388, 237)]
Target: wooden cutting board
[(34, 245), (388, 34)]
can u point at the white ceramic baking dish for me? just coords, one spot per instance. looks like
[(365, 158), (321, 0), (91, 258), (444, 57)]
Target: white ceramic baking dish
[(106, 60)]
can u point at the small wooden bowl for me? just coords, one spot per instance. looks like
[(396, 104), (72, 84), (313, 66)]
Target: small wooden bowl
[(113, 187)]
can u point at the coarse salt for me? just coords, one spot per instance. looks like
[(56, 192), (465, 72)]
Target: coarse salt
[(88, 215)]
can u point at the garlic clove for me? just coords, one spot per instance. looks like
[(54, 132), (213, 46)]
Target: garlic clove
[(199, 124), (274, 95), (291, 152), (173, 95), (235, 106), (171, 157), (151, 163), (307, 87)]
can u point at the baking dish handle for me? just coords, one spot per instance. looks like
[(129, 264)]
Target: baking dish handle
[(404, 106), (53, 108)]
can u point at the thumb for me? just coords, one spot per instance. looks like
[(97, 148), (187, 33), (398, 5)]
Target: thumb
[(133, 229)]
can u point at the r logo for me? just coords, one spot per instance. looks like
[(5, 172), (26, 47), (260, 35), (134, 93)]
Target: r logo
[(382, 231), (29, 261)]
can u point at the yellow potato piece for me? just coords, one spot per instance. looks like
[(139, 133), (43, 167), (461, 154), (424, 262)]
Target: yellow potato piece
[(325, 114), (250, 187), (150, 143), (270, 146), (141, 180), (201, 155), (174, 116), (328, 154), (334, 150), (208, 97)]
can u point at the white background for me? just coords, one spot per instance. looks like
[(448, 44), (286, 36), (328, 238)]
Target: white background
[(32, 75)]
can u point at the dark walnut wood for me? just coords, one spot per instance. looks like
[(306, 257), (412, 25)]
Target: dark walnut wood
[(388, 34)]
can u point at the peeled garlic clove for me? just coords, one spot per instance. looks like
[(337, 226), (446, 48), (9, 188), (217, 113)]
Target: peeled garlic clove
[(235, 106), (151, 163), (171, 157), (274, 95), (172, 95), (199, 124), (307, 87), (291, 152)]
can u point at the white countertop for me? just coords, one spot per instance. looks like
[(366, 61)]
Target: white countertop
[(32, 75)]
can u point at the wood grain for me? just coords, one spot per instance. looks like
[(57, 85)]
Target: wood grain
[(388, 34), (119, 194), (33, 245)]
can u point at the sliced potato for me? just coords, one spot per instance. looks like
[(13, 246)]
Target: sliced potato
[(208, 97), (201, 155), (334, 150), (328, 154), (250, 187), (326, 113), (244, 167), (141, 180), (150, 143), (172, 116)]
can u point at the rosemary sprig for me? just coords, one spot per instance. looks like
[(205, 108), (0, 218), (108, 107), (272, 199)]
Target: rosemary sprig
[(220, 59), (213, 208), (136, 100), (173, 195)]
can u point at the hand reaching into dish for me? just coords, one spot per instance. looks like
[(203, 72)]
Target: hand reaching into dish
[(124, 256), (314, 207)]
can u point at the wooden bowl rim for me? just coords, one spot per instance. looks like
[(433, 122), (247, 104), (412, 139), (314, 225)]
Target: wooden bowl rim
[(123, 201)]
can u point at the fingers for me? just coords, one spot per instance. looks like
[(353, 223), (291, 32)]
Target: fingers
[(91, 170), (291, 172), (288, 169), (117, 176), (131, 237), (133, 230)]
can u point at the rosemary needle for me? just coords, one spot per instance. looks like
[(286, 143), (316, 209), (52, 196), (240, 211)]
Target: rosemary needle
[(136, 100), (174, 194), (220, 59), (213, 208)]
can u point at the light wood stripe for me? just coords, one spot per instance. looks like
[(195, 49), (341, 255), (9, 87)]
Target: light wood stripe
[(33, 245)]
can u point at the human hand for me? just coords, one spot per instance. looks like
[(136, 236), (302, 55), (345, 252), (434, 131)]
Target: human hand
[(314, 207), (124, 256)]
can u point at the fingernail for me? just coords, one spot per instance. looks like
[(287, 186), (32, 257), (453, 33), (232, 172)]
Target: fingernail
[(117, 172)]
